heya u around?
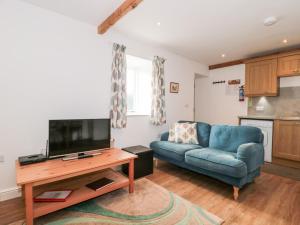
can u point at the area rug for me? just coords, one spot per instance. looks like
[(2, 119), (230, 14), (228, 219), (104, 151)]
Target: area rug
[(149, 204)]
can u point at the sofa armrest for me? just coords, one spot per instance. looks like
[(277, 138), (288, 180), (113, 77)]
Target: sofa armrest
[(164, 136), (252, 154)]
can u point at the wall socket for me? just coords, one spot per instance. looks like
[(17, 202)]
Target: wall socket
[(1, 158)]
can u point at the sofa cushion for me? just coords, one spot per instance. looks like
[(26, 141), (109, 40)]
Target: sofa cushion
[(172, 150), (218, 161), (229, 138), (203, 132), (186, 133)]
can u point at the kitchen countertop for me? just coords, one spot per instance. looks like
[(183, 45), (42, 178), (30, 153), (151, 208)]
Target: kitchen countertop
[(293, 118)]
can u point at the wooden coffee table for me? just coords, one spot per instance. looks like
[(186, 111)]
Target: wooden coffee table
[(72, 175)]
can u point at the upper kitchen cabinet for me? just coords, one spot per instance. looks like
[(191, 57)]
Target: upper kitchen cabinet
[(261, 77), (289, 64)]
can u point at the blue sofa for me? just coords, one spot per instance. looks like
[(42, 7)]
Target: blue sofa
[(232, 154)]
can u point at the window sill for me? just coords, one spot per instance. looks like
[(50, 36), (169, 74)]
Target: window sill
[(137, 114)]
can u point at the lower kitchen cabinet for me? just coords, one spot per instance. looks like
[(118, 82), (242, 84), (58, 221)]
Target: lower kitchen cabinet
[(287, 141)]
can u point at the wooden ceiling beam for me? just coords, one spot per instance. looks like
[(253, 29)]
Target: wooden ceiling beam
[(226, 64), (123, 9), (242, 61)]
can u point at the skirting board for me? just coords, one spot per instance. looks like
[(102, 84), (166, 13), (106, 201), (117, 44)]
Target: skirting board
[(10, 193)]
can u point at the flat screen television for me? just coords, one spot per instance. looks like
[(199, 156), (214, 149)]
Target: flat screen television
[(77, 136)]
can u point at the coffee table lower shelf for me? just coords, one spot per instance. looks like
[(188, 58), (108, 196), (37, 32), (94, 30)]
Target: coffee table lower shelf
[(80, 191)]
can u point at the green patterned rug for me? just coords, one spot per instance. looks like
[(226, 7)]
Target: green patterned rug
[(149, 204)]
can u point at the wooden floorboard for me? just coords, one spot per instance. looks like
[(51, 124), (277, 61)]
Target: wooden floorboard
[(11, 211), (271, 200)]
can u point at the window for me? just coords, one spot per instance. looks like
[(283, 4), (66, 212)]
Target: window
[(138, 86)]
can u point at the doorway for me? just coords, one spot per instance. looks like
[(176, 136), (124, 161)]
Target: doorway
[(201, 96)]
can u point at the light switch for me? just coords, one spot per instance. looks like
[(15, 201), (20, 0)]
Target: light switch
[(1, 158)]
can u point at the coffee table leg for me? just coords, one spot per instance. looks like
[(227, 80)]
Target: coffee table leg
[(29, 204), (131, 176)]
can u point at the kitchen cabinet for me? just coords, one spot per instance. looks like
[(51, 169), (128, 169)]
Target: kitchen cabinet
[(261, 77), (287, 140), (289, 65)]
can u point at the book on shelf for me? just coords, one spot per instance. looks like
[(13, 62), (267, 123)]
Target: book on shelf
[(98, 184), (53, 196)]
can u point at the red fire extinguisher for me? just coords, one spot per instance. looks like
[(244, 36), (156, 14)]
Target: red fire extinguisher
[(241, 94)]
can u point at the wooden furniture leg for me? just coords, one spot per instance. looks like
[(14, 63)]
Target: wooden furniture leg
[(156, 163), (235, 192), (28, 204), (23, 192), (131, 176)]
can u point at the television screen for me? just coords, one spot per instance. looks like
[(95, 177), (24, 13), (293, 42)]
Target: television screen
[(75, 136)]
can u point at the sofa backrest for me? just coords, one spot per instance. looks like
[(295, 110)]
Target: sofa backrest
[(229, 138), (203, 132)]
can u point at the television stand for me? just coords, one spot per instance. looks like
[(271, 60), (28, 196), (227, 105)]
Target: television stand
[(72, 175)]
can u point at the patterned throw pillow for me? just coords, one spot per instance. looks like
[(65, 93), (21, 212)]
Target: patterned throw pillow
[(186, 133), (172, 133)]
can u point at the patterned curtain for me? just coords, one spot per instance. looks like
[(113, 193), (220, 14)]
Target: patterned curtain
[(158, 106), (118, 111)]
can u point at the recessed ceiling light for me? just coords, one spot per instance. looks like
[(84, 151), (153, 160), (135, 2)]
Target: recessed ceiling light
[(223, 55), (269, 21), (158, 24), (284, 41)]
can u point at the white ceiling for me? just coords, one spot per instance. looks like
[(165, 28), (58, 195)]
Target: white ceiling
[(198, 29), (89, 11)]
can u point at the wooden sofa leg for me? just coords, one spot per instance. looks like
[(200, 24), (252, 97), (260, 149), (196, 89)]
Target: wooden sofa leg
[(156, 163), (235, 193)]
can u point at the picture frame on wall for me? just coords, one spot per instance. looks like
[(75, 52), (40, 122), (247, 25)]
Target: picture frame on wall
[(174, 87)]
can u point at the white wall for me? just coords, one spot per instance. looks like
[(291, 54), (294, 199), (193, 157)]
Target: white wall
[(54, 67), (290, 81), (219, 103)]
